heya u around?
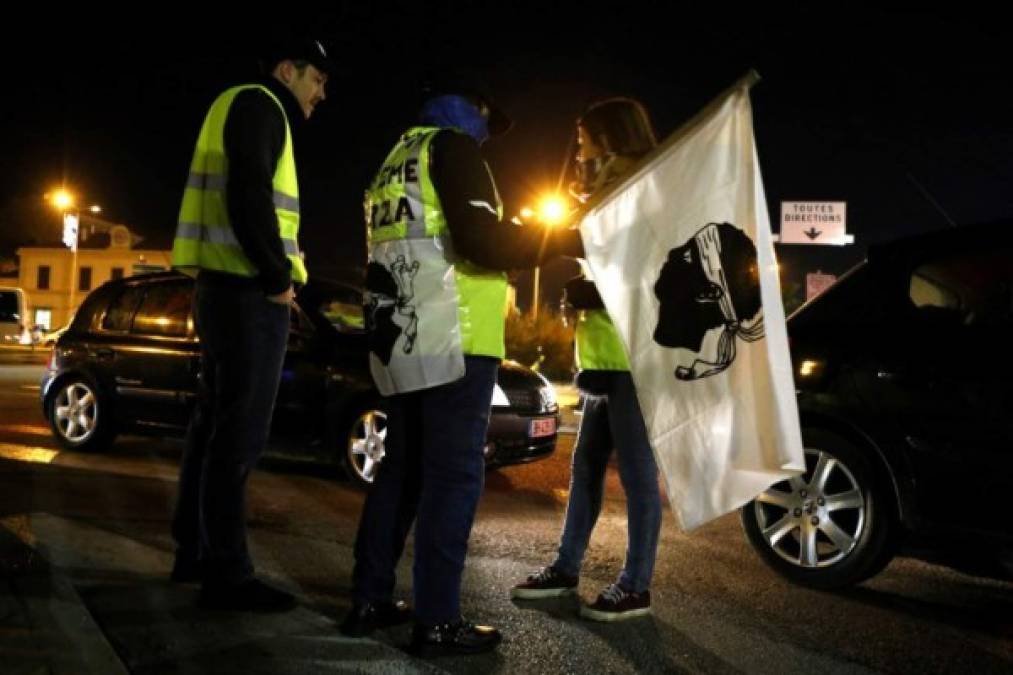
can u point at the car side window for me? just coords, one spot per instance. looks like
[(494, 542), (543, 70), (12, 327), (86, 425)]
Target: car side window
[(970, 288), (121, 310), (165, 310)]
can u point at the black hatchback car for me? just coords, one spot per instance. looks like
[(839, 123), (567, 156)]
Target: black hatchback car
[(129, 363), (904, 372)]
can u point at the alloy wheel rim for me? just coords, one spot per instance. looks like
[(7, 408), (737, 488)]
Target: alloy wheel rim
[(367, 444), (814, 520), (76, 412)]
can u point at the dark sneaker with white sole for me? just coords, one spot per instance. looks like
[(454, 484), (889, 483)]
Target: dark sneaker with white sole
[(546, 583), (617, 604)]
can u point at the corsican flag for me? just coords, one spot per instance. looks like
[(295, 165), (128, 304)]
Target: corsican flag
[(682, 256)]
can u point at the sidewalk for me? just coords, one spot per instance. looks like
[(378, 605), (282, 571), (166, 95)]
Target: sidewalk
[(46, 626)]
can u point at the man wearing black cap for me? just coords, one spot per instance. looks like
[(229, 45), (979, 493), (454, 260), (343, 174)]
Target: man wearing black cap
[(438, 249), (238, 232)]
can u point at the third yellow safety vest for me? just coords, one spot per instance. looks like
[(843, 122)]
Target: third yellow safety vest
[(598, 346)]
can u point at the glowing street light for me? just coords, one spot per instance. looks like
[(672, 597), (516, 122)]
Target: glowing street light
[(62, 199), (552, 209), (65, 202)]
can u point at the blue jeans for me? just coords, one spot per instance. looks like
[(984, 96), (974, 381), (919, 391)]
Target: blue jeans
[(613, 421), (432, 475), (243, 337)]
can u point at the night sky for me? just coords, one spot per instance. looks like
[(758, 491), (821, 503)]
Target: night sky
[(907, 117)]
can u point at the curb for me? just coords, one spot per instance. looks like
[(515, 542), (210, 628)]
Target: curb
[(39, 603)]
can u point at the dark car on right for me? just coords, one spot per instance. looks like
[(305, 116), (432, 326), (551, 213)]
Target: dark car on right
[(904, 378)]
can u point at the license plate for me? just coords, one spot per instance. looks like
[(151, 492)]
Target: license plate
[(542, 427)]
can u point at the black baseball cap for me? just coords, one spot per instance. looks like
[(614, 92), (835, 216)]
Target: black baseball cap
[(299, 49), (467, 83)]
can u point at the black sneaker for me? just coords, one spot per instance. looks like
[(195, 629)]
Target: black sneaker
[(616, 604), (365, 618), (546, 583), (250, 596), (455, 638)]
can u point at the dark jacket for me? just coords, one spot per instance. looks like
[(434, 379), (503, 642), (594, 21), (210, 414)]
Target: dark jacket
[(468, 196)]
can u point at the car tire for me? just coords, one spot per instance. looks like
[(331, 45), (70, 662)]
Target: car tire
[(362, 443), (825, 531), (79, 415)]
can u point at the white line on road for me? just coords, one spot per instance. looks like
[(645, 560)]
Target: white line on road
[(23, 453), (32, 429)]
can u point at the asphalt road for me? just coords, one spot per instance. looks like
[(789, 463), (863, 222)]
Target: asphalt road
[(103, 519)]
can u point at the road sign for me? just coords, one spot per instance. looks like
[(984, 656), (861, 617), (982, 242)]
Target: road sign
[(70, 228), (815, 223), (817, 282)]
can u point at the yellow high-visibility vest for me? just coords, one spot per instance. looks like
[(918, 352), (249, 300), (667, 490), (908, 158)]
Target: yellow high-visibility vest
[(402, 203), (204, 237), (598, 346)]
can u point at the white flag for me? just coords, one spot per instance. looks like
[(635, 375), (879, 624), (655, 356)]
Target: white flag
[(682, 256)]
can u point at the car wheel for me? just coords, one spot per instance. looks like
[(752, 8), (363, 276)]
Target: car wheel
[(79, 416), (365, 444), (830, 527)]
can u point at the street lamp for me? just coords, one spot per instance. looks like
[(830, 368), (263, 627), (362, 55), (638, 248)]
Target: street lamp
[(552, 210), (65, 201)]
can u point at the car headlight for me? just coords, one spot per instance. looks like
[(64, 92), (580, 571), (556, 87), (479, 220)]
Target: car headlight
[(499, 398), (547, 394)]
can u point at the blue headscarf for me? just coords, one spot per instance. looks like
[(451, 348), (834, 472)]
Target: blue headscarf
[(458, 112)]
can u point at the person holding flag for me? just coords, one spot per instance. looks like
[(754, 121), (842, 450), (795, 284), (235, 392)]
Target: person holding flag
[(681, 252), (612, 136)]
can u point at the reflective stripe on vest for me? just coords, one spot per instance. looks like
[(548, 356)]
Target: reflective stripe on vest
[(402, 203), (598, 346), (204, 236)]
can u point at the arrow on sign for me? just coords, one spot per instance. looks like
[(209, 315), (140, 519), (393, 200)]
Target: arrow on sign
[(812, 232)]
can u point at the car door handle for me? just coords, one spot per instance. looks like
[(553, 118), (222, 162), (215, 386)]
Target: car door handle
[(104, 353)]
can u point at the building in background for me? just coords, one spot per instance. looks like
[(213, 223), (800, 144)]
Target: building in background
[(56, 283)]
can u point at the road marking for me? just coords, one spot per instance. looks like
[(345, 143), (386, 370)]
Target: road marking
[(24, 453), (32, 429)]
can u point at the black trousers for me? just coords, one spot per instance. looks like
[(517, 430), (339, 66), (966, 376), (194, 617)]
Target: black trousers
[(243, 337), (432, 476)]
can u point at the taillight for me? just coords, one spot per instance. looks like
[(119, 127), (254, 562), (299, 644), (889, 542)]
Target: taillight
[(51, 363)]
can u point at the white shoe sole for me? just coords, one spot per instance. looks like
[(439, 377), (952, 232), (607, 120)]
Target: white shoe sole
[(596, 615), (538, 594)]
